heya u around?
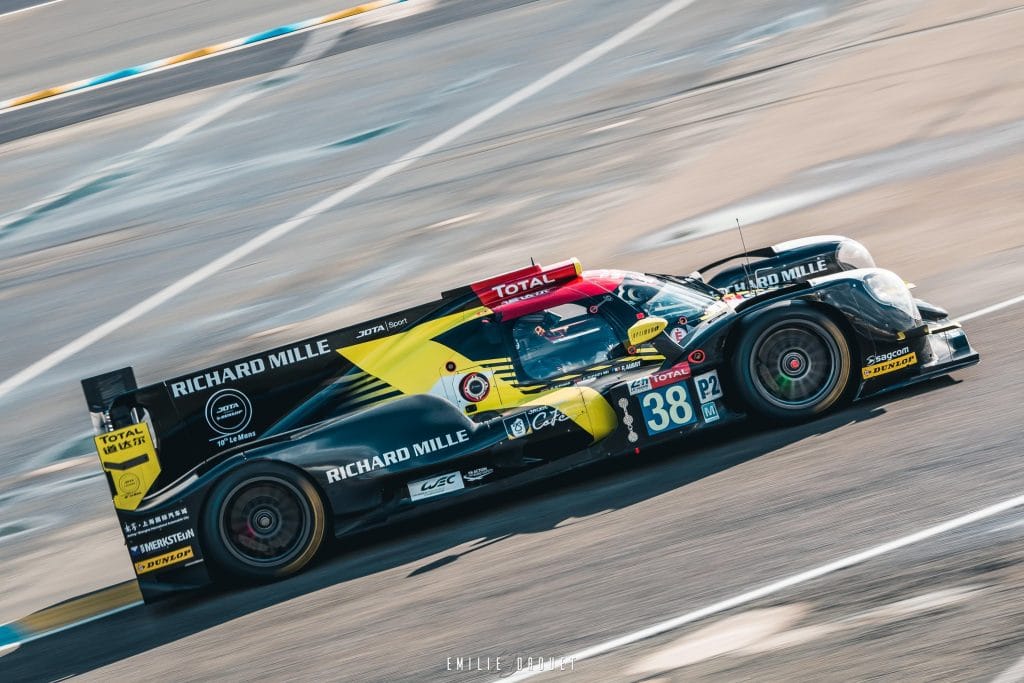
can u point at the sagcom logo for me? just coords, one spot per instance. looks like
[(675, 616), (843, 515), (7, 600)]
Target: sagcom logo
[(165, 560)]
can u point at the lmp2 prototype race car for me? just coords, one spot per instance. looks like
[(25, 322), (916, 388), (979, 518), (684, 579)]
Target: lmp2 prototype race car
[(240, 471)]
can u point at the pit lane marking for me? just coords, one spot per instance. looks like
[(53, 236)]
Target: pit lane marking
[(338, 198), (781, 585)]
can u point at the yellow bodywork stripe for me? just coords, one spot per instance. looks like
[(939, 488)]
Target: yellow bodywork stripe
[(413, 363)]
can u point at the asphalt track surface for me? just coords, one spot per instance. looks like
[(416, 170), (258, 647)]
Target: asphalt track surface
[(573, 563)]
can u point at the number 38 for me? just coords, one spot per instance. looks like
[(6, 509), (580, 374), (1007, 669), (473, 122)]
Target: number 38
[(668, 408)]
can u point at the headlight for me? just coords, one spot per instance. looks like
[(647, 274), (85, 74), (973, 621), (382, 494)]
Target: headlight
[(888, 289), (852, 255)]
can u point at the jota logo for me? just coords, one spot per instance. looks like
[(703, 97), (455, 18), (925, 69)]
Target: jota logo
[(366, 332), (379, 328), (228, 411)]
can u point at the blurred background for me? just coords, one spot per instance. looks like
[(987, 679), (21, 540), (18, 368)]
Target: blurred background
[(899, 123)]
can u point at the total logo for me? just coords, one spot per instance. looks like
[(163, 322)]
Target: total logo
[(676, 373), (508, 289)]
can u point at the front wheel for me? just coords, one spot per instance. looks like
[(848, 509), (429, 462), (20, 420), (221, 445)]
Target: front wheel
[(263, 522), (792, 363)]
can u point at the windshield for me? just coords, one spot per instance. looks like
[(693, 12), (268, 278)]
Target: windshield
[(562, 339), (675, 302)]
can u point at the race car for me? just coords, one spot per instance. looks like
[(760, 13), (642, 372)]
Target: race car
[(241, 471)]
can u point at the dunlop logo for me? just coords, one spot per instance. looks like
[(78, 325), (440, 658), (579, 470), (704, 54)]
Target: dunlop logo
[(165, 560), (885, 367)]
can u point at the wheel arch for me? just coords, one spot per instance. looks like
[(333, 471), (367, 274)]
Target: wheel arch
[(749, 317), (253, 464)]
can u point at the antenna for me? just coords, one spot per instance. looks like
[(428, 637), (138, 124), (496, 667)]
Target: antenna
[(746, 255), (532, 262)]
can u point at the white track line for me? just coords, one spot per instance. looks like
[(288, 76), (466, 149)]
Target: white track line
[(778, 586), (613, 126), (341, 196), (1015, 674), (991, 309), (25, 9)]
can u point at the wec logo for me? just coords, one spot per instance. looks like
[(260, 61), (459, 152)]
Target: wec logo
[(431, 484), (435, 486)]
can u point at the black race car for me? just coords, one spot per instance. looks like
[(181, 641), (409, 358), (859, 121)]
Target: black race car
[(241, 470)]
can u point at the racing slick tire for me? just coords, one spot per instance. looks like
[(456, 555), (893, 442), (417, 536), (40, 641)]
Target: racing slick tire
[(263, 522), (792, 363)]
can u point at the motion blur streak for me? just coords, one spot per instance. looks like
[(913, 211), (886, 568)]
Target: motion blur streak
[(782, 584), (1014, 674), (97, 333), (192, 55)]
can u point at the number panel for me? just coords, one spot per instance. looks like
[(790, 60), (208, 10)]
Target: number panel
[(667, 408)]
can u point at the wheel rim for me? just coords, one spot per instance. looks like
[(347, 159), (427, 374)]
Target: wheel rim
[(265, 522), (794, 364)]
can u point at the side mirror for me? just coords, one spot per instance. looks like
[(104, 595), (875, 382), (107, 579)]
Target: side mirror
[(645, 330)]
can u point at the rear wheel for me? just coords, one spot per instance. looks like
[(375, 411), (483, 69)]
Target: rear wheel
[(792, 363), (263, 522)]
